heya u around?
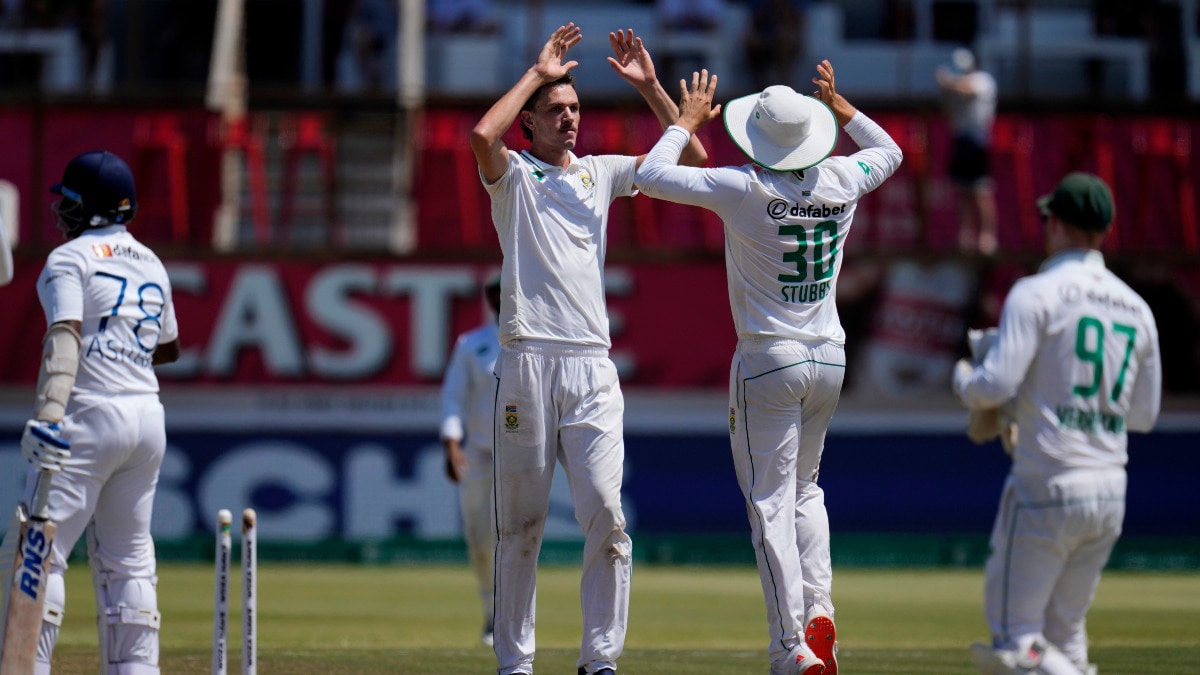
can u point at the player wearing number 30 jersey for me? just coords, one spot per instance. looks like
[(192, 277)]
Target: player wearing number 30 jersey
[(108, 307), (1077, 356), (786, 221)]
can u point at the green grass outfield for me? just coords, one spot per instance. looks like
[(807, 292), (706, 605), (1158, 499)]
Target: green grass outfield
[(703, 620)]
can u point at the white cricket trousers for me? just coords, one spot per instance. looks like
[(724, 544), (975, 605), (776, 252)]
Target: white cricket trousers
[(1051, 540), (782, 396), (117, 447), (563, 403)]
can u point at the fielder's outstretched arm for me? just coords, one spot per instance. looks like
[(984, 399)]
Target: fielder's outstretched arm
[(632, 62)]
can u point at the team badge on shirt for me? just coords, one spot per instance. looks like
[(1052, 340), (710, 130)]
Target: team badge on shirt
[(732, 420), (586, 179), (510, 417), (102, 250)]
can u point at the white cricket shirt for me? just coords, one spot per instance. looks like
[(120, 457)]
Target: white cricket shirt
[(784, 231), (469, 388), (118, 289), (973, 114), (552, 223), (1078, 349)]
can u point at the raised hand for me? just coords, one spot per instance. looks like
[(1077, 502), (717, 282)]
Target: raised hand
[(630, 59), (826, 88), (695, 102), (550, 64), (827, 92)]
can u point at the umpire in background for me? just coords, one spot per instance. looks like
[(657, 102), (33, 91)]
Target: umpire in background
[(468, 413), (1077, 362)]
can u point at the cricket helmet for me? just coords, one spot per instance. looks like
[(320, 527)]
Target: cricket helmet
[(97, 190)]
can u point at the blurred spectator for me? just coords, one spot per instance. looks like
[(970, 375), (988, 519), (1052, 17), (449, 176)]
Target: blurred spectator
[(969, 98), (92, 24), (461, 16), (335, 18), (689, 38), (368, 49), (773, 40)]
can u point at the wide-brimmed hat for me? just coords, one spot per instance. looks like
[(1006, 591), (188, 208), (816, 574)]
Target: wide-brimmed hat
[(1081, 199), (781, 129)]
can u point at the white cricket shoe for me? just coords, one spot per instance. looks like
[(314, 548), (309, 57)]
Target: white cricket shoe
[(800, 661), (487, 637), (994, 661), (1041, 658)]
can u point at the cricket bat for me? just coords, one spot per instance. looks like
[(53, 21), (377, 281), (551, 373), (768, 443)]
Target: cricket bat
[(28, 541)]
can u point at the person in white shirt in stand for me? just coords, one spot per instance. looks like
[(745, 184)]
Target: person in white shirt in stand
[(1076, 365), (468, 414), (786, 219), (969, 97)]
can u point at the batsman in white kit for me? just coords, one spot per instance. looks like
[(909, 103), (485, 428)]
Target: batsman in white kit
[(786, 216), (558, 397), (1075, 366), (468, 413), (98, 426)]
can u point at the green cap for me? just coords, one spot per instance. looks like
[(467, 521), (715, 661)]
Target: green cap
[(1081, 199)]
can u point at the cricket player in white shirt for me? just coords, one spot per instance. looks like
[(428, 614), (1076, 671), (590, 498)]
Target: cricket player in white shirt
[(98, 425), (468, 413), (786, 219), (558, 397), (1077, 361)]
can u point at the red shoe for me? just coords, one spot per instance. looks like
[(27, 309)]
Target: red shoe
[(821, 636)]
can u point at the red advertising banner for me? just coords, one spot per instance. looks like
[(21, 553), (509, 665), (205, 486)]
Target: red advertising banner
[(389, 323)]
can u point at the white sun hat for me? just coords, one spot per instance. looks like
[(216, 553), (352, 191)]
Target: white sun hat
[(781, 129)]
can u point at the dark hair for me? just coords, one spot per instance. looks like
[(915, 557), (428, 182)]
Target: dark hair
[(568, 79)]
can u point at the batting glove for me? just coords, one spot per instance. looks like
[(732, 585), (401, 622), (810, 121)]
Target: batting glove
[(44, 447)]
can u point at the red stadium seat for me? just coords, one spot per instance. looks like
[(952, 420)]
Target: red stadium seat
[(1090, 148), (247, 134), (160, 136), (301, 134), (1160, 140), (1012, 138), (453, 191)]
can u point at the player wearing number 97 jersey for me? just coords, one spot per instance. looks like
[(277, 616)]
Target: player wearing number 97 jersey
[(107, 301), (1077, 356), (786, 220)]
